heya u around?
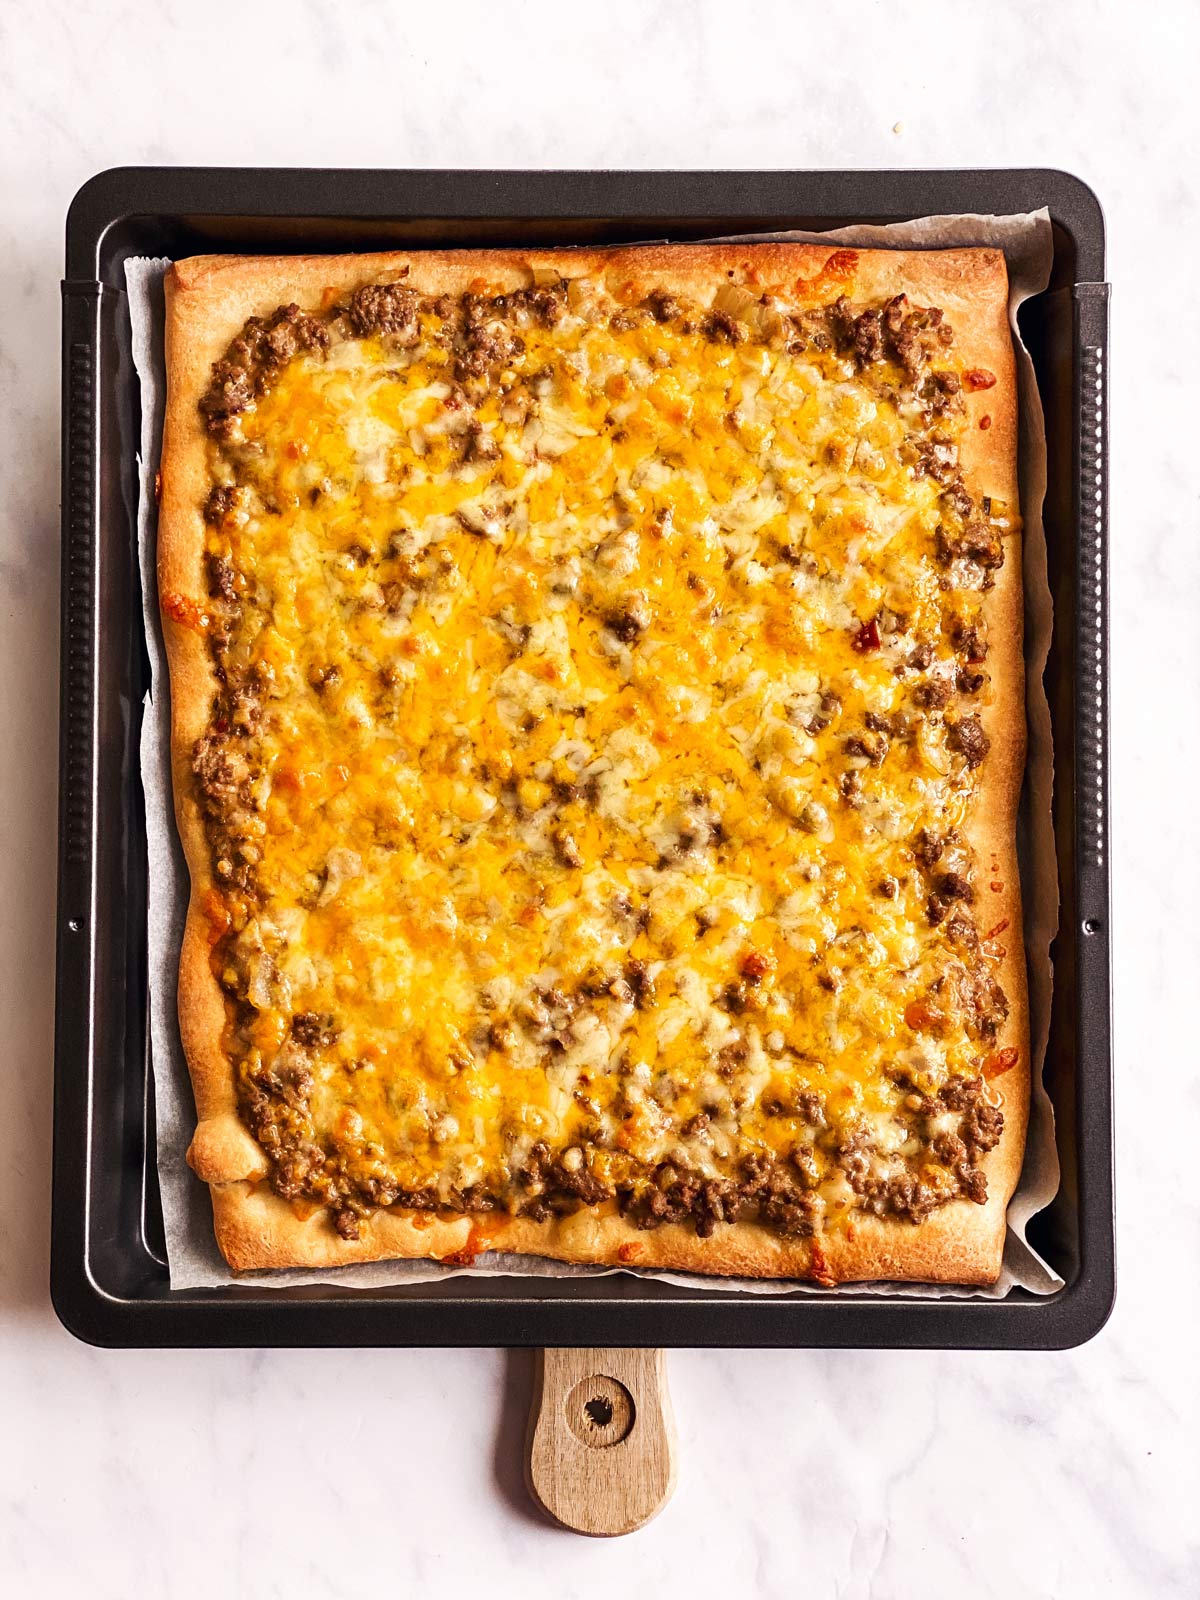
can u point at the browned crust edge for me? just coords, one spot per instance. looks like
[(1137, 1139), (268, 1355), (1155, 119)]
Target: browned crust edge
[(208, 300)]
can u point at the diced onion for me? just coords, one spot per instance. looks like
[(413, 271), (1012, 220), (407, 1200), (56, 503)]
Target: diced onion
[(737, 302)]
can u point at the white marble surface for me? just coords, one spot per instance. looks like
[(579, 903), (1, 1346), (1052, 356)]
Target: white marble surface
[(851, 1474)]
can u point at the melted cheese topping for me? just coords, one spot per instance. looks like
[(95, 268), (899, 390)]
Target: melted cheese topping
[(570, 824)]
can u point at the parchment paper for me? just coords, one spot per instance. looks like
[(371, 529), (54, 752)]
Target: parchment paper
[(192, 1254)]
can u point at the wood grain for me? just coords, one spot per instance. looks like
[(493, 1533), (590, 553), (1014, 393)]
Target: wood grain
[(601, 1452)]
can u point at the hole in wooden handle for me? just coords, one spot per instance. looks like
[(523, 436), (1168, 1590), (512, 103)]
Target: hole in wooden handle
[(600, 1412)]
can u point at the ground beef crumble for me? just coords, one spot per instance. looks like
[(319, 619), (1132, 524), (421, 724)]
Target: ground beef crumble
[(262, 349), (386, 309)]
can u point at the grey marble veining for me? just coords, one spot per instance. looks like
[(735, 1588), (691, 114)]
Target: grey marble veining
[(861, 1475)]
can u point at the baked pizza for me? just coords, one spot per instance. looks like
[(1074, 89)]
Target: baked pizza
[(598, 724)]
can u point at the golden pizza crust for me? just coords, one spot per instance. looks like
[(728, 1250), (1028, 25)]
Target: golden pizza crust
[(960, 1243), (208, 300)]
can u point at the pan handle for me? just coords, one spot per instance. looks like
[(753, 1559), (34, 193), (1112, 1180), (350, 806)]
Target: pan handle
[(601, 1447)]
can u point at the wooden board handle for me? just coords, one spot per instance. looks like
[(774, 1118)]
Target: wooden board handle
[(600, 1452)]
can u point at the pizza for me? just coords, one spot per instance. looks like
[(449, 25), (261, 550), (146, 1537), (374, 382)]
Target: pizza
[(597, 712)]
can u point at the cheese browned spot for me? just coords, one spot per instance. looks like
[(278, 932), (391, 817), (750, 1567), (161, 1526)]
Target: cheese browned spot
[(599, 725)]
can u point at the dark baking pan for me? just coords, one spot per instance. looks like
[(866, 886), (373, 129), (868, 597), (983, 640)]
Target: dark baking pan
[(109, 1273)]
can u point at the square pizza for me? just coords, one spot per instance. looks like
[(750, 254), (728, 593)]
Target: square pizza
[(598, 726)]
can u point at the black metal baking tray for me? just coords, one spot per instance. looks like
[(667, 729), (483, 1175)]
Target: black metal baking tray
[(109, 1273)]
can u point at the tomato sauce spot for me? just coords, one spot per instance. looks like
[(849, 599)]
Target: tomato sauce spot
[(186, 612), (1001, 1061)]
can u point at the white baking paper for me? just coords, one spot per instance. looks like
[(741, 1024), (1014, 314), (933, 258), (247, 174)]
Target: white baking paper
[(192, 1254)]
